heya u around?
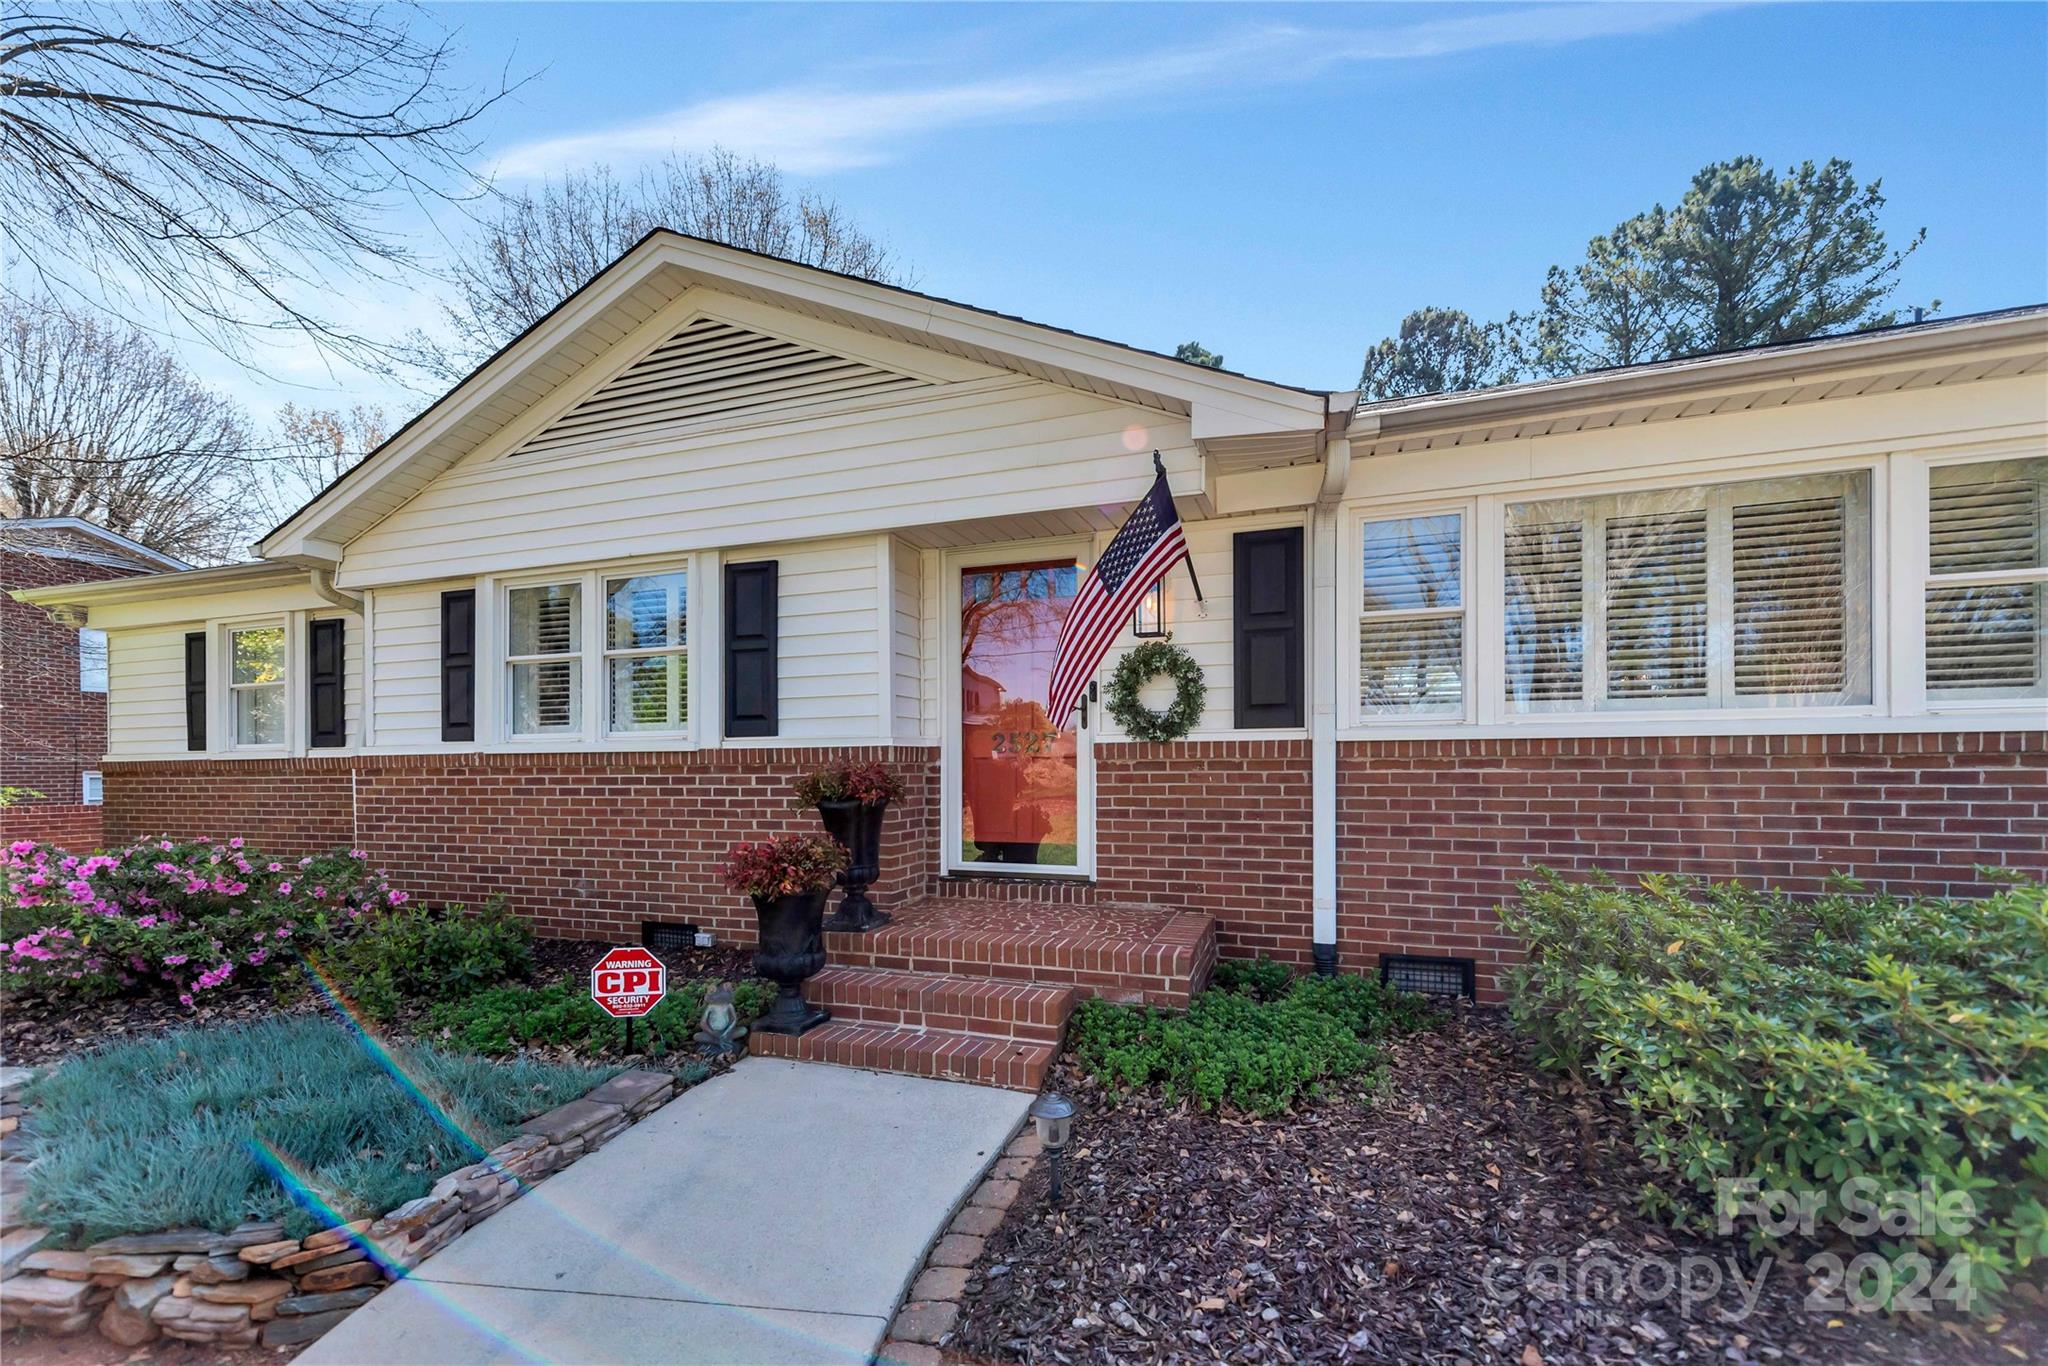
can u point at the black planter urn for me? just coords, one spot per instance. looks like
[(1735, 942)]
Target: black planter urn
[(857, 826), (790, 948)]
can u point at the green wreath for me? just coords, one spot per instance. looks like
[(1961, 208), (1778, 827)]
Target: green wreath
[(1141, 666)]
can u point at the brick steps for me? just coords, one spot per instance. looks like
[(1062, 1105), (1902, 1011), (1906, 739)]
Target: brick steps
[(980, 1006), (1122, 953), (943, 1054)]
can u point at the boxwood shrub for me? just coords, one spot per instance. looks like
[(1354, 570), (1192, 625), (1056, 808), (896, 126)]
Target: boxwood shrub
[(1804, 1043)]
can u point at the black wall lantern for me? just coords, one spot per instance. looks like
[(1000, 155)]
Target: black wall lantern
[(1149, 620)]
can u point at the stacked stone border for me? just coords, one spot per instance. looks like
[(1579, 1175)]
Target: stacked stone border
[(924, 1323), (253, 1285)]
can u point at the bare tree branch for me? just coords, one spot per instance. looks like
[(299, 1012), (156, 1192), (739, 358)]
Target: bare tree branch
[(231, 160)]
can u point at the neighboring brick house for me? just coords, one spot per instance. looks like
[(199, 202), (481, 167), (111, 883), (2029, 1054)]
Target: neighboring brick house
[(570, 634), (53, 676)]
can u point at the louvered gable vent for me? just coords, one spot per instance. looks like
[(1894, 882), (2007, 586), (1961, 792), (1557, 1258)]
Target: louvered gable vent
[(707, 371)]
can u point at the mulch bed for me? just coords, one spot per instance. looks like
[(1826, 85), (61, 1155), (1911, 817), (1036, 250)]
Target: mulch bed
[(34, 1030), (1364, 1229)]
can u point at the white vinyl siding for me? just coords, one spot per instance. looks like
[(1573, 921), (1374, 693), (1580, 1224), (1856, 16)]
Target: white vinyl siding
[(828, 649), (1411, 619), (146, 691), (906, 603), (982, 449), (406, 623), (1987, 584), (1722, 596)]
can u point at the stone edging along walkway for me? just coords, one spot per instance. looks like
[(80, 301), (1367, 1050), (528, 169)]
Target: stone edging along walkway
[(252, 1284), (924, 1323)]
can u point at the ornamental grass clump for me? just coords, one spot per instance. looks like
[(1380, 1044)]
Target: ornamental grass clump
[(1234, 1048), (1807, 1044), (206, 1127), (788, 865), (183, 917)]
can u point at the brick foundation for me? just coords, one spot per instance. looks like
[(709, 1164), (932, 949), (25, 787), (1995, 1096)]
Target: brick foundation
[(1432, 834), (1220, 827), (70, 825), (582, 844)]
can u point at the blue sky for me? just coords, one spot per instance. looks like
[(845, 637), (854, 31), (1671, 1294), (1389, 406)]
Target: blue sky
[(1284, 182)]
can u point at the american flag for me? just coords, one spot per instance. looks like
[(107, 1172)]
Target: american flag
[(1148, 544)]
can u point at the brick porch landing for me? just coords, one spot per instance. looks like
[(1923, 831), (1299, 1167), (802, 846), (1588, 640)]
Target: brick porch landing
[(979, 990)]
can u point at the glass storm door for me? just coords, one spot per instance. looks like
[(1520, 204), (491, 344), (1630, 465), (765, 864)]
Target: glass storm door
[(1019, 795)]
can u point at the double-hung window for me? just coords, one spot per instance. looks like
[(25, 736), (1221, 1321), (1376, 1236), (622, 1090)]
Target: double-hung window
[(1411, 616), (256, 685), (543, 659), (1987, 581), (92, 660), (1724, 596), (646, 653)]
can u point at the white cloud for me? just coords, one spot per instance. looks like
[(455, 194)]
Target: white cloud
[(817, 129)]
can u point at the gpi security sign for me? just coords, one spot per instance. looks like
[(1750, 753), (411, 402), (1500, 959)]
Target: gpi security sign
[(628, 982)]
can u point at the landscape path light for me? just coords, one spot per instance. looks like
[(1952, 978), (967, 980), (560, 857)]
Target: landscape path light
[(1053, 1113)]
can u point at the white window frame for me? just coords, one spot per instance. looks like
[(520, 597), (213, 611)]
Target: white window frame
[(1485, 612), (1717, 499), (1913, 503), (225, 671), (1352, 597), (91, 788), (577, 656), (494, 673), (86, 680), (607, 653)]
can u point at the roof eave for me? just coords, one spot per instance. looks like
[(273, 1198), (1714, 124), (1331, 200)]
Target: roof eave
[(175, 584)]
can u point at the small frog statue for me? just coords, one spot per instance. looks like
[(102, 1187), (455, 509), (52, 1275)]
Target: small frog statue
[(722, 1029)]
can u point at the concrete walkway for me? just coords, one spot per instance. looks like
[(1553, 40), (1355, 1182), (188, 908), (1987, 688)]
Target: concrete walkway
[(772, 1215)]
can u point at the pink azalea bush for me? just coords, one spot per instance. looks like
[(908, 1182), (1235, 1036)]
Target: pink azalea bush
[(190, 917)]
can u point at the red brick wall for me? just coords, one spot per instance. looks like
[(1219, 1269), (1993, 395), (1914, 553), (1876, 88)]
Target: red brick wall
[(70, 826), (50, 732), (1216, 826), (1432, 834), (583, 844)]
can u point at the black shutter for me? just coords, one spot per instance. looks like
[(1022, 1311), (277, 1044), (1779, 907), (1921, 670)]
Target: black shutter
[(195, 690), (1271, 655), (458, 665), (325, 671), (751, 681)]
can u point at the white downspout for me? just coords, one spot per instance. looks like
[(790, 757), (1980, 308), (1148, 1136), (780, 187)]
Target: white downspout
[(323, 584), (1323, 716)]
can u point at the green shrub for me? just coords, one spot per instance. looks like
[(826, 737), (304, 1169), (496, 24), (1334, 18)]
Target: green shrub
[(1806, 1043), (210, 1126), (425, 954), (502, 1020), (183, 917), (1262, 979), (1232, 1048)]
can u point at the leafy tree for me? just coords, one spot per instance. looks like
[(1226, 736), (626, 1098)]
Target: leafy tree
[(100, 422), (1748, 257), (540, 247), (1435, 351), (1197, 354), (223, 160)]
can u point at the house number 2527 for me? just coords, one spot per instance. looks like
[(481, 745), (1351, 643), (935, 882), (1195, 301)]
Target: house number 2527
[(1023, 742)]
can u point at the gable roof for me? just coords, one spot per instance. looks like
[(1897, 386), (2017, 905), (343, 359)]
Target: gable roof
[(77, 538), (1221, 405)]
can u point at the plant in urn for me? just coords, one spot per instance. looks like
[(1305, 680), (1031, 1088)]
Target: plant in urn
[(789, 878), (850, 799)]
